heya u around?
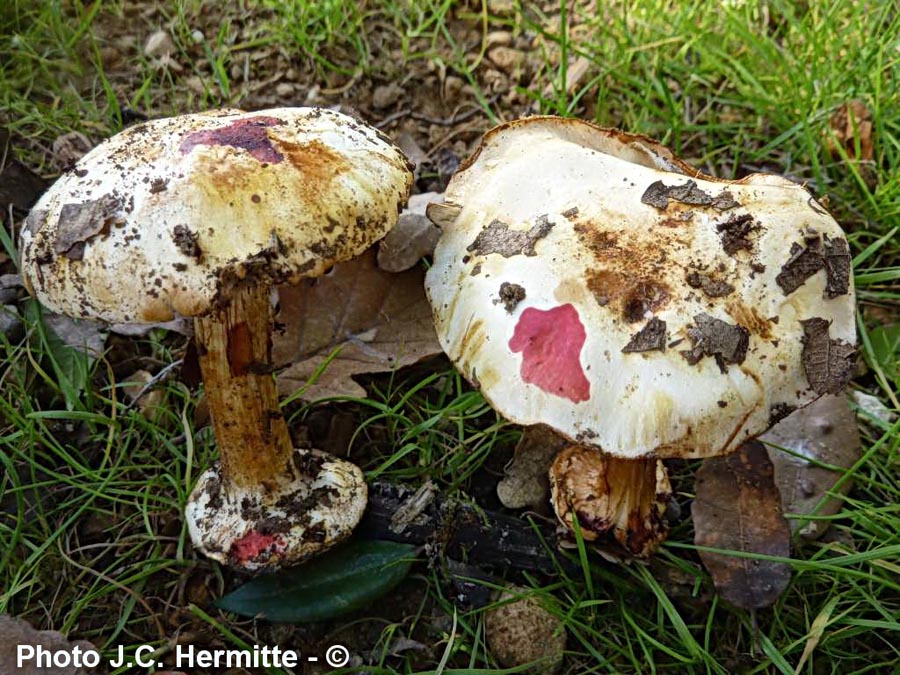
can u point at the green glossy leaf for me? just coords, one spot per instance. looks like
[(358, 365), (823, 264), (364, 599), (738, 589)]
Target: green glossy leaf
[(336, 583)]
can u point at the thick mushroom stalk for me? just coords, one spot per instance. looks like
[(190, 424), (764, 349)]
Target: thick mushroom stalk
[(234, 344), (266, 504), (624, 498), (199, 216)]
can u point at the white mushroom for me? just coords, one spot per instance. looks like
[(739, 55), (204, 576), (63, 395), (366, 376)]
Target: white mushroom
[(588, 280), (199, 216)]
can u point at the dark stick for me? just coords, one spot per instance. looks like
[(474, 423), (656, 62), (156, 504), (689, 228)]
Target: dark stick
[(461, 531)]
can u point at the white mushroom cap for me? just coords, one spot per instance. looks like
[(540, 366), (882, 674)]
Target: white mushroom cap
[(312, 507), (588, 280), (162, 218)]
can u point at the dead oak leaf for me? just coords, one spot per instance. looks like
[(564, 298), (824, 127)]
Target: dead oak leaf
[(737, 508), (851, 126), (379, 321), (824, 432), (15, 633), (850, 133)]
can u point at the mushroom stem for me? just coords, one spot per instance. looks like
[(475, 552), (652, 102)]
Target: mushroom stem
[(609, 495), (235, 343)]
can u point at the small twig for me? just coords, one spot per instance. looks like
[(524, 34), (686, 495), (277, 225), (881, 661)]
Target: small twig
[(156, 379), (455, 118)]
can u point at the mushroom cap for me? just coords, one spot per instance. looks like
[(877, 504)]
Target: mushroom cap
[(589, 280), (314, 505), (167, 216)]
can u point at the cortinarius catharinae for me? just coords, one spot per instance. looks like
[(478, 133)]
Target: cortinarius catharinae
[(589, 280), (200, 216)]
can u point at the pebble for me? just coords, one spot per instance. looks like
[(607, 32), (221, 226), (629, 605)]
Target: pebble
[(159, 44), (505, 58), (284, 89), (386, 95)]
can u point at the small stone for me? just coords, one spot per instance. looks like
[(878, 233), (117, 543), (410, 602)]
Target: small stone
[(159, 44), (505, 58), (195, 84), (284, 89), (871, 407), (313, 95), (197, 36), (501, 7), (111, 57), (453, 87), (386, 95), (498, 38)]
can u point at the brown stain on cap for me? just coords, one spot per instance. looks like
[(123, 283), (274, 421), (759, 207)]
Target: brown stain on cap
[(627, 273), (318, 163), (749, 318)]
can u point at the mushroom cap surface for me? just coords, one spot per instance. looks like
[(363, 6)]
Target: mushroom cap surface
[(589, 280), (164, 218), (314, 505)]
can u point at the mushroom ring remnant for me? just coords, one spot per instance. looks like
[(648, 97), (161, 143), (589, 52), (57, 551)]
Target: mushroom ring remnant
[(200, 216), (588, 280)]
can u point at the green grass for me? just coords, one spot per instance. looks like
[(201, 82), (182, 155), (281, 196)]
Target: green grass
[(91, 492)]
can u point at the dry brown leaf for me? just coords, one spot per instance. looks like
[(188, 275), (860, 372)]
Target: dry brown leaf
[(850, 132), (19, 185), (414, 235), (737, 508), (15, 632), (824, 432), (380, 321), (526, 483), (851, 124)]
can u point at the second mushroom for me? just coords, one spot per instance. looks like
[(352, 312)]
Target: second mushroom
[(588, 280), (200, 216)]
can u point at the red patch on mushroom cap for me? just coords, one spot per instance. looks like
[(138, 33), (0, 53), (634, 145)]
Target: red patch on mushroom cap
[(551, 341), (253, 544), (249, 135)]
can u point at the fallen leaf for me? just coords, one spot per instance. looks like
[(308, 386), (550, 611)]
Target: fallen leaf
[(851, 125), (737, 508), (344, 579), (87, 337), (413, 237), (526, 483), (69, 148), (850, 133), (71, 345), (19, 185), (822, 432), (15, 632), (140, 394), (378, 321), (819, 624)]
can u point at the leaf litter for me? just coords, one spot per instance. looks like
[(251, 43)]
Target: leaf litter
[(822, 433), (737, 508), (356, 320)]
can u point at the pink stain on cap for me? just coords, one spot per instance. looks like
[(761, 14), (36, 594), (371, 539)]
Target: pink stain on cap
[(253, 544), (249, 134), (551, 341)]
